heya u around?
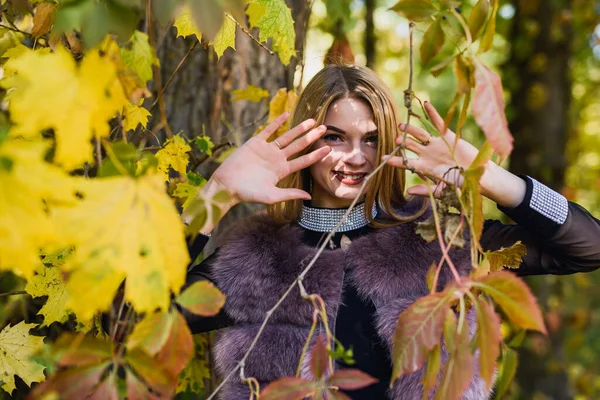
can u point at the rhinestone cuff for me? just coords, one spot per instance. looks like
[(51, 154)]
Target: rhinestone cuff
[(548, 203), (325, 219)]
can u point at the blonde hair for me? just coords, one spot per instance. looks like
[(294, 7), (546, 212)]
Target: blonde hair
[(332, 83)]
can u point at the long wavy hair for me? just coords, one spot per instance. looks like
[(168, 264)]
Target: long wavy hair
[(332, 83)]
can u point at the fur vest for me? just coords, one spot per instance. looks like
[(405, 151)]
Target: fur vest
[(257, 264)]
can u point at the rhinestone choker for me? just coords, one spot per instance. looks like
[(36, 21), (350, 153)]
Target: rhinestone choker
[(325, 219)]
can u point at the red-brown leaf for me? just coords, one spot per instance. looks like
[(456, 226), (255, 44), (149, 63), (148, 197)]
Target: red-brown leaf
[(137, 390), (319, 358), (74, 383), (107, 390), (488, 110), (151, 333), (337, 395), (289, 388), (488, 340), (79, 350), (351, 379), (458, 370), (418, 330), (151, 371), (202, 298), (43, 19), (515, 298), (178, 348)]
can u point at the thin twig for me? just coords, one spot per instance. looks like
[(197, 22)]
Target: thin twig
[(15, 29), (162, 91), (16, 292), (98, 152), (247, 32)]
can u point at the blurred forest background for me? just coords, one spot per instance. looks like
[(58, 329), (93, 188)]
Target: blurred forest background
[(548, 55)]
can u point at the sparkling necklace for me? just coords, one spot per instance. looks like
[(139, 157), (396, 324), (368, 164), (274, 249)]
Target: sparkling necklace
[(325, 219)]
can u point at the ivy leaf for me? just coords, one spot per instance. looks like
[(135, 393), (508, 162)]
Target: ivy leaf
[(274, 20), (478, 17), (76, 100), (432, 43), (43, 19), (488, 110), (416, 10), (202, 298), (510, 257), (515, 298), (225, 37), (351, 379), (17, 347), (173, 155), (319, 358), (289, 388), (48, 282), (140, 57), (123, 227), (151, 333), (178, 348), (418, 330), (488, 340), (133, 116), (250, 93)]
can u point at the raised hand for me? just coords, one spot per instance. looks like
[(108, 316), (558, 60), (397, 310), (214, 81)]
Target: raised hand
[(252, 172)]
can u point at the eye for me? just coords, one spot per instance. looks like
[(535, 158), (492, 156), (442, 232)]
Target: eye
[(332, 137), (372, 139)]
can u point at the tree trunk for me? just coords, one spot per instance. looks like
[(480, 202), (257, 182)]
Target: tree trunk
[(538, 78)]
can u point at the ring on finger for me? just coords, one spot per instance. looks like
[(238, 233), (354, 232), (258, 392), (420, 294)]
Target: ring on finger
[(428, 140), (277, 143)]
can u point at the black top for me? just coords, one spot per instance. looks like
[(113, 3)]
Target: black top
[(552, 248)]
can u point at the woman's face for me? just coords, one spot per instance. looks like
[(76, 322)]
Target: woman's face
[(352, 136)]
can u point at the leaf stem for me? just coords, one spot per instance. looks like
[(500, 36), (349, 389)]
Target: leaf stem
[(247, 32), (13, 293)]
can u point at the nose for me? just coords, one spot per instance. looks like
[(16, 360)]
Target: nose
[(355, 157)]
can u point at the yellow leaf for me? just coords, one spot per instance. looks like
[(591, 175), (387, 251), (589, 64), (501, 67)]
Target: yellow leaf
[(27, 186), (140, 57), (133, 116), (123, 228), (225, 37), (43, 19), (17, 347), (506, 257), (250, 93), (187, 192), (185, 24), (196, 371), (283, 101), (274, 20), (173, 155), (48, 282), (77, 101)]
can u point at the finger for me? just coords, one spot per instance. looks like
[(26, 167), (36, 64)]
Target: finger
[(273, 126), (280, 195), (296, 131), (419, 133), (397, 161), (411, 144), (436, 118), (308, 159), (305, 141), (418, 190)]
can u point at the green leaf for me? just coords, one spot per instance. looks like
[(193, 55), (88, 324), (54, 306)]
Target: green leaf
[(225, 37), (208, 16), (151, 333), (250, 93), (437, 69), (202, 298), (185, 25), (195, 179), (464, 70), (433, 40), (164, 10), (289, 388), (140, 57), (191, 379), (204, 144), (221, 197), (510, 257), (478, 17), (508, 369), (488, 340), (416, 10), (430, 276), (187, 192), (351, 379), (434, 363), (514, 297), (487, 39), (274, 20), (319, 359)]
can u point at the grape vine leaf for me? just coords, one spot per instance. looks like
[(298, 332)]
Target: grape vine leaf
[(141, 56), (76, 100), (274, 20), (123, 227), (173, 155), (16, 348)]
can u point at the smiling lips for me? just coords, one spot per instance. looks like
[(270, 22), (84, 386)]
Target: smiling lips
[(353, 178)]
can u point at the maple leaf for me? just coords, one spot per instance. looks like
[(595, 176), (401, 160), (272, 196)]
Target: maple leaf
[(250, 93), (141, 57), (48, 282), (123, 228), (16, 348), (133, 116), (76, 100), (196, 371), (185, 25), (509, 257), (283, 101), (27, 186), (173, 155), (274, 19)]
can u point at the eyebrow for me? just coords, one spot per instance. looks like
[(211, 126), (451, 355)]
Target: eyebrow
[(336, 129)]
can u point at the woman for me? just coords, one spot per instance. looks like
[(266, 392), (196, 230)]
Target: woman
[(375, 265)]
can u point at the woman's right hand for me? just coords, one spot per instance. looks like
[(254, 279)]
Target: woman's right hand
[(251, 173)]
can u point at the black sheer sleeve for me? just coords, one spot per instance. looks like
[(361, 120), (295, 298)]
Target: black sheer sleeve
[(561, 237), (197, 273)]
